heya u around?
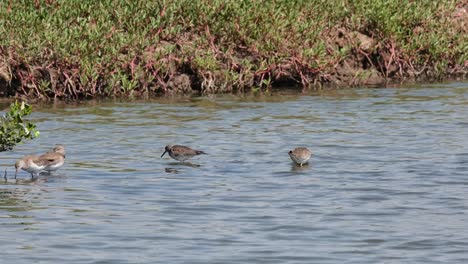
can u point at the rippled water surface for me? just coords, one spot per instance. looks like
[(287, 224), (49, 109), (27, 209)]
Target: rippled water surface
[(387, 183)]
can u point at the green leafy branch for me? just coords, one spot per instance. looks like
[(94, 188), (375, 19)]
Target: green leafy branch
[(14, 129)]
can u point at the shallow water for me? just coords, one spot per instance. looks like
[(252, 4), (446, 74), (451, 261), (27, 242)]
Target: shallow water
[(387, 183)]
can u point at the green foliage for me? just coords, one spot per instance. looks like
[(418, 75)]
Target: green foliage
[(102, 47), (14, 129)]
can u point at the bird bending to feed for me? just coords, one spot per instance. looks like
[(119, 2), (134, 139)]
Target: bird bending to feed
[(32, 164), (50, 161), (181, 153), (300, 156)]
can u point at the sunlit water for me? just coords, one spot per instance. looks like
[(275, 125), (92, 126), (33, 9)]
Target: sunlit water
[(387, 183)]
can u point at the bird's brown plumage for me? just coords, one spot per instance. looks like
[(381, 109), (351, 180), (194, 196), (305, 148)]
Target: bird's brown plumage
[(300, 155), (181, 153), (49, 161)]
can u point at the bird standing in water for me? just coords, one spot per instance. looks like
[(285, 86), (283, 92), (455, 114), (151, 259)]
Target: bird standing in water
[(181, 153), (32, 164), (300, 156), (50, 161), (57, 155)]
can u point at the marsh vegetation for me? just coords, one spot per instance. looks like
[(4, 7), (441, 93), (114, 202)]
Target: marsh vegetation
[(83, 49)]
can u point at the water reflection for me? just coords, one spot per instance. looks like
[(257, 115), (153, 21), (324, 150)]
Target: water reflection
[(297, 168), (185, 163), (386, 181), (172, 170), (11, 200)]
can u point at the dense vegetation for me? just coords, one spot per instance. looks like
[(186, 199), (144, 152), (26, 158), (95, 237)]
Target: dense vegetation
[(81, 49), (14, 129)]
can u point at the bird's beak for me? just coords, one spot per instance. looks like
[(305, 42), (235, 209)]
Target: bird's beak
[(163, 153)]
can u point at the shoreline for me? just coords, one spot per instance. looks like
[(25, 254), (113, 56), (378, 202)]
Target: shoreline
[(71, 50)]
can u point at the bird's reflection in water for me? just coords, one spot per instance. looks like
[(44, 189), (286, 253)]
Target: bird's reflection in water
[(171, 170), (52, 174), (175, 171), (43, 177), (297, 168), (29, 181), (188, 164)]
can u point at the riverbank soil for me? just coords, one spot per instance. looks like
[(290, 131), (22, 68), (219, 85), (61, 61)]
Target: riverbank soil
[(79, 49)]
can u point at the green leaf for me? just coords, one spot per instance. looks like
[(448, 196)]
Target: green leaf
[(13, 129)]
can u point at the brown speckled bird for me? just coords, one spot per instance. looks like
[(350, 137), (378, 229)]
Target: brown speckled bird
[(181, 153), (58, 155), (49, 161), (300, 156)]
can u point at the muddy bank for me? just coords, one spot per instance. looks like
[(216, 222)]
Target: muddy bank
[(208, 56)]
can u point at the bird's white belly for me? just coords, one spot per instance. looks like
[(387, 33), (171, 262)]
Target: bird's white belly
[(55, 167), (34, 168)]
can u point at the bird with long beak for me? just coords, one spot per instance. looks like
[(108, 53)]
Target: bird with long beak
[(181, 153), (31, 164)]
